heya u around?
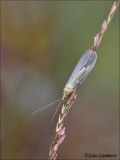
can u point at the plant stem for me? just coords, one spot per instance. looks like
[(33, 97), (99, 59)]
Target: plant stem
[(99, 36), (60, 129)]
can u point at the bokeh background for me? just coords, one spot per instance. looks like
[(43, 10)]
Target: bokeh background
[(41, 43)]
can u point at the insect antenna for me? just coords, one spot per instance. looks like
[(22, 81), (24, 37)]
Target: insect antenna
[(56, 110), (46, 106)]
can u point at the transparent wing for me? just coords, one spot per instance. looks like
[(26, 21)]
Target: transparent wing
[(87, 61)]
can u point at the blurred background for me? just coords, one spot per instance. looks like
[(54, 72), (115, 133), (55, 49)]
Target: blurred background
[(41, 44)]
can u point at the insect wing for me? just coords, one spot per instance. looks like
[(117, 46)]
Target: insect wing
[(87, 61)]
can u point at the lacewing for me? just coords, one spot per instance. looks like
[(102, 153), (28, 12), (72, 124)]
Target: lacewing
[(79, 74), (81, 71)]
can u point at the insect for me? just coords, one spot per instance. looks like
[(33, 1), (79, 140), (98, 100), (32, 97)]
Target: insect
[(81, 71), (79, 74)]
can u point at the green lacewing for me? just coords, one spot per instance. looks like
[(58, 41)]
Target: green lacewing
[(79, 74), (81, 71)]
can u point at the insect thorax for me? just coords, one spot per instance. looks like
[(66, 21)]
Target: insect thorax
[(67, 90), (71, 86)]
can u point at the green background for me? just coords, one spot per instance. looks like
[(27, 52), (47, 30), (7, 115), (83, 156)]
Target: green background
[(41, 44)]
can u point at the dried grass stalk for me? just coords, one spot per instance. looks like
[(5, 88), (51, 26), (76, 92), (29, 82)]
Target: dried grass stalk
[(60, 129)]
